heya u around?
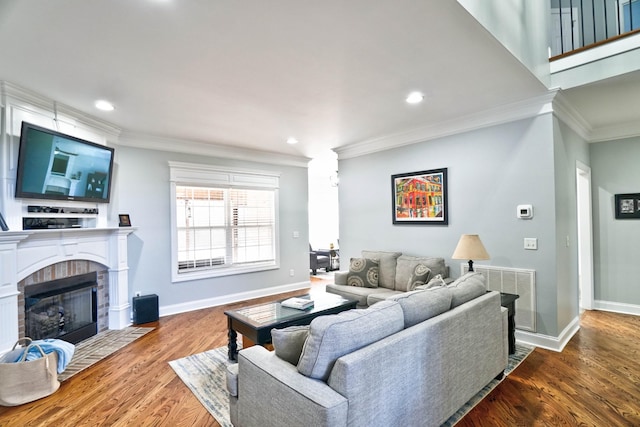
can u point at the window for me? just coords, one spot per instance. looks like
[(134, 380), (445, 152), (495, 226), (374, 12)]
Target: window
[(224, 221)]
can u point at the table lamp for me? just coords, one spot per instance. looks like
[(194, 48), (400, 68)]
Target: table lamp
[(470, 247)]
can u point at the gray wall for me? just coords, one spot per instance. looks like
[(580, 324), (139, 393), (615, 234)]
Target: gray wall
[(568, 148), (614, 170), (491, 171), (142, 189)]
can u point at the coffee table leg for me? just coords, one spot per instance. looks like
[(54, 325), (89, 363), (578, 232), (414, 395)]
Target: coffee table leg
[(233, 343)]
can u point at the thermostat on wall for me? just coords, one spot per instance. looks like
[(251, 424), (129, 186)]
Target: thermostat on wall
[(525, 211)]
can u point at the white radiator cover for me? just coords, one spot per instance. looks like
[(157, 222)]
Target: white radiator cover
[(517, 281)]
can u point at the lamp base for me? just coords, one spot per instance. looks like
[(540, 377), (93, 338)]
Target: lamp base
[(470, 265)]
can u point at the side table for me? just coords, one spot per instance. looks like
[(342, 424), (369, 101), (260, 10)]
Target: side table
[(334, 257), (509, 302)]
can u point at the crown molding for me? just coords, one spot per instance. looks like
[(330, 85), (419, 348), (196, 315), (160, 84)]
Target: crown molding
[(565, 112), (504, 114), (617, 131), (11, 93), (153, 142)]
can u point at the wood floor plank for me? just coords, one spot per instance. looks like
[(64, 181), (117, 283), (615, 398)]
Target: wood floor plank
[(595, 381)]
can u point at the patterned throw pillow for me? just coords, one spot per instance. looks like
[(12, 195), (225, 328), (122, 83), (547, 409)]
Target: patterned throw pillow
[(420, 276), (363, 272)]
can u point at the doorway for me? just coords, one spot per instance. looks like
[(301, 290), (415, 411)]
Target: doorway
[(585, 237)]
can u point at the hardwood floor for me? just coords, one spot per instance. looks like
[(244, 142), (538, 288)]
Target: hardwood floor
[(594, 381)]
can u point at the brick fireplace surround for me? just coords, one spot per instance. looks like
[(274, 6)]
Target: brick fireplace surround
[(35, 256)]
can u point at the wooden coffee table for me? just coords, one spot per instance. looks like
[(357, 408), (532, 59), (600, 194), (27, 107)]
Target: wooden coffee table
[(256, 322)]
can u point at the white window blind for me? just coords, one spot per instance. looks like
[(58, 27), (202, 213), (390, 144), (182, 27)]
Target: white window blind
[(223, 229)]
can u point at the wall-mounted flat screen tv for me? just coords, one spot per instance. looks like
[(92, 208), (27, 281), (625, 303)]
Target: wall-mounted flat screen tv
[(52, 165)]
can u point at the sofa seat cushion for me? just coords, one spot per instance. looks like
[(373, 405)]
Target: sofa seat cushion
[(333, 336), (406, 267), (353, 292), (467, 287), (381, 295), (418, 306), (288, 342), (386, 267), (363, 273)]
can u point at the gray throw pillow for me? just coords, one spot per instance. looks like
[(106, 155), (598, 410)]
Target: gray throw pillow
[(467, 287), (435, 282), (288, 342), (363, 272)]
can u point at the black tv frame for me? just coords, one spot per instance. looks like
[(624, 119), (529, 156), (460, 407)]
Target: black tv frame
[(19, 193)]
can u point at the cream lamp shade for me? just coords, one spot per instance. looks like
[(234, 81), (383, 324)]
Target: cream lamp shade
[(470, 247)]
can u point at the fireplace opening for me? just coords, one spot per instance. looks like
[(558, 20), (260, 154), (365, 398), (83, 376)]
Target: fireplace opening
[(64, 308)]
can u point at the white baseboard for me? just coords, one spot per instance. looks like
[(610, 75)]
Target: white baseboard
[(228, 299), (617, 307), (549, 342), (557, 344)]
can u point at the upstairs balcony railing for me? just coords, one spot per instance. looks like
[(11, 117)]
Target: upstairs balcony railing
[(580, 24)]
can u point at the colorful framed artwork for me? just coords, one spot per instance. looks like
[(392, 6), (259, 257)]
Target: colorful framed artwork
[(420, 197), (627, 206)]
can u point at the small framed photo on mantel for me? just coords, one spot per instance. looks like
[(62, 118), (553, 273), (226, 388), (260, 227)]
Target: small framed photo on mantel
[(125, 221), (627, 206)]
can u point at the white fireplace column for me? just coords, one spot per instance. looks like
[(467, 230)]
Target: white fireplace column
[(24, 252), (9, 288), (119, 307)]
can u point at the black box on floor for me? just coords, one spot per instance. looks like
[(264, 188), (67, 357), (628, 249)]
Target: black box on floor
[(145, 309)]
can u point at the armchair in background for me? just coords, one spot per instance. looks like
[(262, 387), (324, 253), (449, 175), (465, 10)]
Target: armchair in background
[(317, 260)]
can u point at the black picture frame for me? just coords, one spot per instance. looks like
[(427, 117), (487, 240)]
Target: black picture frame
[(125, 221), (420, 197), (3, 224), (627, 206)]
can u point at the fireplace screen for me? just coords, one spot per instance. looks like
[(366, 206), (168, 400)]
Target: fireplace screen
[(65, 312)]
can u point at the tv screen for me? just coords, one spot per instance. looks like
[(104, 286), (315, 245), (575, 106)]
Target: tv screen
[(52, 165)]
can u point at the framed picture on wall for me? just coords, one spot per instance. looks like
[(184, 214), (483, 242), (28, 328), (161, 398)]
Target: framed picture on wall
[(627, 206), (420, 197)]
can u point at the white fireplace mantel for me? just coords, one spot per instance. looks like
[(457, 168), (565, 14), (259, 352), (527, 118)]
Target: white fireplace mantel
[(25, 252)]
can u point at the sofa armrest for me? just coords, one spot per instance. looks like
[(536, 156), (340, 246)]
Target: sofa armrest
[(340, 277), (270, 388)]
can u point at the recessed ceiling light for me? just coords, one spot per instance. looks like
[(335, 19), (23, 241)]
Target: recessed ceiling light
[(415, 98), (103, 105), (292, 141)]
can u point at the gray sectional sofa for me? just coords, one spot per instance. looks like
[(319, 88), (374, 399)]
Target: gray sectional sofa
[(395, 273), (411, 360)]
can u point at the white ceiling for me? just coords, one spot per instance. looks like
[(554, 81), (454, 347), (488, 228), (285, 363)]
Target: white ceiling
[(252, 73)]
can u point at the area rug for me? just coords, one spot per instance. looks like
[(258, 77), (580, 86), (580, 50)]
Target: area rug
[(205, 375), (99, 346)]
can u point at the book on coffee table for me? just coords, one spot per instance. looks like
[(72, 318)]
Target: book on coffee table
[(298, 303)]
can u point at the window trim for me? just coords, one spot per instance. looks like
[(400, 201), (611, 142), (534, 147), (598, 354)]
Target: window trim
[(191, 174)]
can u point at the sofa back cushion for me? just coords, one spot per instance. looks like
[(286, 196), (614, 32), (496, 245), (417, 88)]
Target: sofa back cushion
[(333, 336), (406, 267), (386, 267), (467, 287), (418, 306)]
